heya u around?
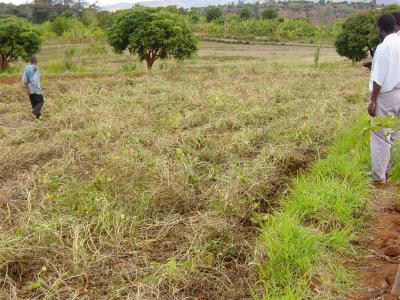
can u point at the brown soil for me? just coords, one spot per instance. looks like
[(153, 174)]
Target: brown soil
[(16, 79), (377, 268)]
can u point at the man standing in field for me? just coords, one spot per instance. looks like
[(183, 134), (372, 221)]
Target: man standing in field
[(31, 80), (385, 93)]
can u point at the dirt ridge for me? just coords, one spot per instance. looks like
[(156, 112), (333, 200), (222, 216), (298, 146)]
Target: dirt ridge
[(377, 266)]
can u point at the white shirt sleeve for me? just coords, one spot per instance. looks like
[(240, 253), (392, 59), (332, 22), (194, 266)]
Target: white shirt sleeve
[(380, 65)]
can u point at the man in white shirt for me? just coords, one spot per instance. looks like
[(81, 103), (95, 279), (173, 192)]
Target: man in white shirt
[(385, 93)]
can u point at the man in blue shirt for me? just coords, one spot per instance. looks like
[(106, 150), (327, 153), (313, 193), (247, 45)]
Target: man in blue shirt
[(31, 80)]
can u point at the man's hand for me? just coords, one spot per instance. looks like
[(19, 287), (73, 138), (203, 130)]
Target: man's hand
[(367, 64), (372, 108), (26, 89), (373, 99)]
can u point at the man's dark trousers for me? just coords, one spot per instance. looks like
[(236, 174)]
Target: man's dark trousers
[(37, 102)]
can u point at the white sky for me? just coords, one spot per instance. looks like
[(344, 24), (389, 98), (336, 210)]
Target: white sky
[(14, 1), (101, 2)]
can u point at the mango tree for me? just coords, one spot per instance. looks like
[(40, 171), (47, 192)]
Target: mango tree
[(152, 34), (358, 36), (18, 39)]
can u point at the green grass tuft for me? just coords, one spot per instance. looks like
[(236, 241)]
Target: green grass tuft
[(292, 251), (306, 240)]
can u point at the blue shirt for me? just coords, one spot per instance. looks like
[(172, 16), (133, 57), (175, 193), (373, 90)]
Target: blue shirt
[(31, 76)]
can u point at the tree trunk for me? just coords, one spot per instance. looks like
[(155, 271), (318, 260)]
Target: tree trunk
[(150, 61), (3, 62), (151, 57)]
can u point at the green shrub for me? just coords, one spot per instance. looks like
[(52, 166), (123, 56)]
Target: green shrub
[(94, 49), (68, 59), (70, 30), (55, 67), (127, 68)]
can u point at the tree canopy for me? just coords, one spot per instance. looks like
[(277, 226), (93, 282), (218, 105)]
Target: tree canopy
[(18, 39), (358, 35), (39, 11), (387, 9), (269, 13), (213, 13), (245, 13), (152, 34)]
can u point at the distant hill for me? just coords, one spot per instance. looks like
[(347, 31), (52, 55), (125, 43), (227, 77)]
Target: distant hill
[(117, 6), (387, 2), (156, 3), (291, 9)]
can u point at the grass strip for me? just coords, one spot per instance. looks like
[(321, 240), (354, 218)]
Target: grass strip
[(306, 242)]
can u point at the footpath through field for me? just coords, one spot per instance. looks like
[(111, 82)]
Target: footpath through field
[(376, 269)]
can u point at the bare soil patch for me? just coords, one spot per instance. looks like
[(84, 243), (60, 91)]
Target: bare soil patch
[(377, 269)]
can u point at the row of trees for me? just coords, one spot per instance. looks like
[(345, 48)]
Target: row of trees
[(92, 25), (40, 11), (215, 13), (320, 13), (149, 33), (271, 29), (76, 21), (161, 33)]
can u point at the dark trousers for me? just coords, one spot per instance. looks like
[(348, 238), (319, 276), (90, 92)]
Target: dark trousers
[(37, 102)]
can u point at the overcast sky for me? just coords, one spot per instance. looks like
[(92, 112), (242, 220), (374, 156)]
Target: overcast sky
[(101, 2), (14, 1)]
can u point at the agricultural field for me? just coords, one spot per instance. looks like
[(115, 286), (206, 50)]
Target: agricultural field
[(98, 58), (153, 184)]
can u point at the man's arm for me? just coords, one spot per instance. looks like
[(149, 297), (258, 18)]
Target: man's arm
[(367, 64), (25, 82), (380, 66), (376, 88)]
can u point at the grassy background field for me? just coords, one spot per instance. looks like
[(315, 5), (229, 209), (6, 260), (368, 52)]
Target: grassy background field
[(99, 58), (149, 185)]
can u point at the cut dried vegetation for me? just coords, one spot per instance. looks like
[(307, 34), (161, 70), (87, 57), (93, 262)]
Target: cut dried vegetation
[(150, 187)]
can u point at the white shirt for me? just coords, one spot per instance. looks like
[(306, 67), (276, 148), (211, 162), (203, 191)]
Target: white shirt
[(385, 69)]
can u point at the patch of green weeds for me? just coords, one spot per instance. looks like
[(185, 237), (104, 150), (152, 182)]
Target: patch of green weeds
[(306, 240)]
